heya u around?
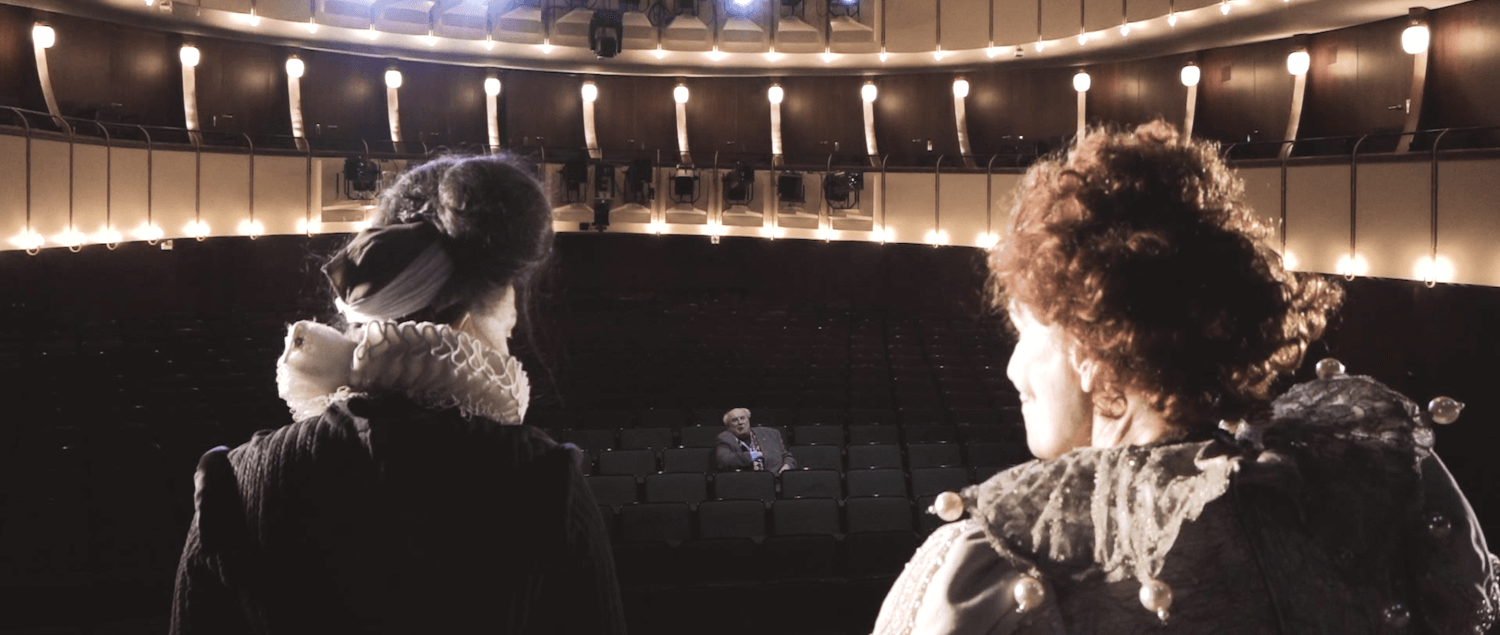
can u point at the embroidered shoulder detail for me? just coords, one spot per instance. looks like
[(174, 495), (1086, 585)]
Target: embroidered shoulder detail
[(431, 364), (898, 613)]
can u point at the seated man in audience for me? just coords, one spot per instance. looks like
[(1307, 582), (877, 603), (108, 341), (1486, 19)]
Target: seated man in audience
[(743, 447)]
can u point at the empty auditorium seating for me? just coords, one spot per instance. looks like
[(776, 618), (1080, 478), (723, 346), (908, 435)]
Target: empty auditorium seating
[(931, 433), (656, 522), (591, 440), (613, 490), (865, 434), (637, 463), (936, 480), (878, 513), (732, 519), (819, 457), (1000, 455), (919, 455), (676, 488), (801, 516), (701, 436), (818, 435), (645, 439), (876, 482), (875, 455), (745, 485), (810, 483), (696, 460)]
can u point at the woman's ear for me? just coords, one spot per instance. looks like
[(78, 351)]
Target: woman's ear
[(1087, 369)]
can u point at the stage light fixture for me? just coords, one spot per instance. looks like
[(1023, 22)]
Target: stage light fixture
[(393, 78), (791, 189), (960, 88), (639, 182), (1298, 62), (739, 185), (189, 55), (841, 189), (1082, 82), (1416, 37), (680, 94), (684, 185), (869, 92), (775, 94), (492, 86), (1191, 75), (575, 176), (606, 32), (361, 178), (295, 68), (43, 36), (590, 92)]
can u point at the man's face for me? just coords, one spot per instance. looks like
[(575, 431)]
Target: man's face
[(739, 424)]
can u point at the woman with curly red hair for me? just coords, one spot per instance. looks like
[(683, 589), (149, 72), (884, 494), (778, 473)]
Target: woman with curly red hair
[(1172, 492)]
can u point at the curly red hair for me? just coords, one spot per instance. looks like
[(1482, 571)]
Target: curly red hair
[(1140, 247)]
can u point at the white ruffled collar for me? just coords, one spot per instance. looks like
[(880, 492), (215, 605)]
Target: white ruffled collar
[(432, 364)]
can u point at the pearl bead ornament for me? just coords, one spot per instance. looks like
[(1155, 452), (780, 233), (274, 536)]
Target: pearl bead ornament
[(1029, 593), (1156, 596), (1397, 615), (1330, 368), (1438, 525), (949, 506), (1444, 410)]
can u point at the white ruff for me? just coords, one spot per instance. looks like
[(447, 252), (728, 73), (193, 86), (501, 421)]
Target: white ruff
[(432, 364)]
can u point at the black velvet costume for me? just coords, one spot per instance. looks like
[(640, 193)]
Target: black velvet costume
[(382, 516)]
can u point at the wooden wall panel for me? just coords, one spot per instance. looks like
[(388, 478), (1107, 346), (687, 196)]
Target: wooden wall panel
[(729, 115), (19, 85), (637, 113), (1011, 109), (1132, 93), (1245, 93), (821, 116), (1358, 84), (242, 88), (914, 118), (343, 97), (543, 109), (116, 73), (1462, 84), (443, 105)]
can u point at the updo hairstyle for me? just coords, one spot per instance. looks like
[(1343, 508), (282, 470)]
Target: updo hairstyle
[(493, 219), (1139, 246)]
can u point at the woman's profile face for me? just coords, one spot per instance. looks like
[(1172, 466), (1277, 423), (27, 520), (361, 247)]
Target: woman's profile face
[(1058, 413)]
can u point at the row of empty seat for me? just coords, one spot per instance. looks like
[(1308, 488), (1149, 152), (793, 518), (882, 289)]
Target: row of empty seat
[(643, 462), (693, 489), (599, 439)]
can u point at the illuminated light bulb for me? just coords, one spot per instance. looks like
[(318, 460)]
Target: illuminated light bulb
[(937, 237), (825, 234), (772, 55), (107, 236), (71, 238), (1426, 271), (1289, 261), (371, 33), (393, 78), (775, 94), (1040, 46), (884, 56), (1191, 75), (197, 229), (939, 54), (546, 48), (1355, 267), (869, 92), (1415, 39), (992, 52), (680, 94), (189, 55), (960, 88), (361, 225), (295, 68), (150, 3), (251, 228), (1083, 39), (148, 232), (305, 227), (590, 92), (489, 43), (492, 86), (1298, 62), (660, 53), (252, 19), (1082, 82), (717, 55), (1125, 30), (1224, 7), (829, 57), (312, 26), (886, 234), (43, 36), (1172, 19), (28, 240), (988, 240), (430, 39)]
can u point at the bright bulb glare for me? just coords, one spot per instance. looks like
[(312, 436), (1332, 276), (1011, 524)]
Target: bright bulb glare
[(1426, 271), (492, 86), (660, 53), (252, 19), (71, 238), (371, 34), (546, 48), (150, 3), (992, 52), (196, 229), (1039, 46), (1289, 261), (312, 27), (1357, 267), (1125, 30), (829, 57), (773, 55), (28, 240), (885, 235), (431, 40), (590, 92), (305, 227), (825, 234), (988, 240), (680, 94), (936, 237), (1172, 20), (489, 44), (1298, 62), (148, 232), (775, 94), (43, 36), (960, 88), (868, 93), (295, 68), (1082, 82), (251, 228), (1415, 39), (189, 55), (884, 56), (1083, 39), (939, 54), (393, 78), (1224, 8), (107, 236), (1191, 74)]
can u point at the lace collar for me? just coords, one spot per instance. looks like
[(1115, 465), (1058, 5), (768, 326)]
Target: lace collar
[(431, 364)]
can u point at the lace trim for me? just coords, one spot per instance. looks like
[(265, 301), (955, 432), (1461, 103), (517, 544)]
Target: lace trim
[(899, 612), (432, 364)]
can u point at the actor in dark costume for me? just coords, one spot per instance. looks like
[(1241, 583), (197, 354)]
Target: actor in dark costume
[(1171, 494), (408, 497)]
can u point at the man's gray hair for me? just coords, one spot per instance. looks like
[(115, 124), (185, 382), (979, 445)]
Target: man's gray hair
[(730, 415)]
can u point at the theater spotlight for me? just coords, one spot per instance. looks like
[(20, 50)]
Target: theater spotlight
[(685, 185), (639, 186), (841, 189), (575, 175), (606, 31), (739, 185), (601, 215), (604, 180), (790, 189), (361, 179)]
